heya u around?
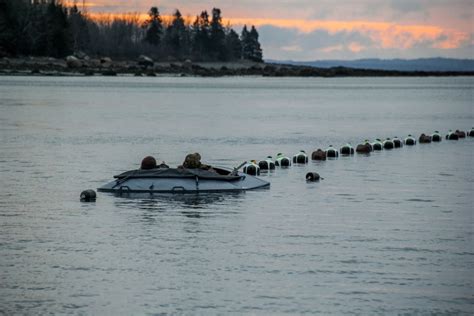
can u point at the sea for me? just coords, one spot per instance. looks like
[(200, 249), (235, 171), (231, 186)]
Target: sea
[(391, 232)]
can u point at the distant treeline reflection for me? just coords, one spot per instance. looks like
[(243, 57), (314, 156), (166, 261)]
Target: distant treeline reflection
[(49, 28)]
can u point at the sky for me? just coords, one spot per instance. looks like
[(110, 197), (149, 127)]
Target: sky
[(335, 29)]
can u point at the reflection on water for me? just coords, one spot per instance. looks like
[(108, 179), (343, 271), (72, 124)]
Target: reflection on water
[(155, 201)]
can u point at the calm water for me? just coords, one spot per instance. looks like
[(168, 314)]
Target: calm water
[(387, 233)]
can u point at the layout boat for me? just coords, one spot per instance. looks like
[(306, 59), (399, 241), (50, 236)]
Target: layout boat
[(171, 180)]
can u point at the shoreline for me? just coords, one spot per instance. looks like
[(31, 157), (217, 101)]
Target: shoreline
[(44, 66)]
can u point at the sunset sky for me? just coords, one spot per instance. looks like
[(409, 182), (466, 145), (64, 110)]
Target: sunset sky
[(336, 29)]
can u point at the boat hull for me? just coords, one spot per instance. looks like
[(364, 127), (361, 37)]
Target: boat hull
[(183, 185)]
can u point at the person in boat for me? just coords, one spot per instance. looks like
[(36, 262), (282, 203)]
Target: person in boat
[(193, 161), (149, 162)]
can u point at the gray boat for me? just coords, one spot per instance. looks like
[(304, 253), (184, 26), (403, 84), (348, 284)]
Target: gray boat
[(171, 180)]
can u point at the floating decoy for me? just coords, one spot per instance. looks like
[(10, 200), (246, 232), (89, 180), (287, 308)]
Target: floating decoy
[(300, 157), (282, 161), (331, 152), (347, 150), (267, 164), (410, 140)]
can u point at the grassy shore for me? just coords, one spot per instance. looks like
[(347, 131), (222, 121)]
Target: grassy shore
[(107, 67)]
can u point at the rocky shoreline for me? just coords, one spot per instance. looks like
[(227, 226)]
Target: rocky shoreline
[(144, 66)]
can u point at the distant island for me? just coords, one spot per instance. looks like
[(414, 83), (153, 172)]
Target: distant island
[(419, 64)]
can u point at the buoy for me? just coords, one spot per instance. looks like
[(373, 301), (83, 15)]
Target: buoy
[(471, 132), (424, 139), (377, 145), (312, 176), (252, 168), (347, 150), (388, 144), (332, 152), (267, 164), (364, 148), (148, 163), (461, 134), (300, 157), (319, 154), (397, 142), (88, 196), (452, 136), (282, 161), (410, 140), (436, 137)]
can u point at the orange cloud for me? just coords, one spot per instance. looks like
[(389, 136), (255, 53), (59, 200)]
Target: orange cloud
[(388, 35), (385, 35)]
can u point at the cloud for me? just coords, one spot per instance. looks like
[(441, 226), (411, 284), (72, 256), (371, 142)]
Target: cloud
[(351, 42)]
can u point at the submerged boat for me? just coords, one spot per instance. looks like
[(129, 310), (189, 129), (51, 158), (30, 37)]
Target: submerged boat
[(173, 180)]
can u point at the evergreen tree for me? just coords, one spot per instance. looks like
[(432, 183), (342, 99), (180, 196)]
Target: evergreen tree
[(201, 39), (154, 27), (233, 45), (177, 36), (251, 49), (217, 36), (246, 43), (79, 29), (256, 51), (58, 36)]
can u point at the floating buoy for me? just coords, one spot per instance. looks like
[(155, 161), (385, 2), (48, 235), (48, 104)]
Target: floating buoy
[(332, 152), (312, 176), (252, 168), (452, 136), (319, 154), (300, 157), (410, 140), (364, 148), (148, 163), (388, 144), (461, 134), (282, 161), (377, 145), (347, 150), (267, 164), (88, 196), (397, 142), (436, 137), (471, 132), (424, 139)]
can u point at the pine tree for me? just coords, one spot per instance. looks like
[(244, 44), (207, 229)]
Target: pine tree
[(79, 29), (177, 36), (201, 38), (233, 45), (154, 27), (217, 36), (256, 50)]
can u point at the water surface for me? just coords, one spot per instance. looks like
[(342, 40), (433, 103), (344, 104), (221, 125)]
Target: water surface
[(387, 233)]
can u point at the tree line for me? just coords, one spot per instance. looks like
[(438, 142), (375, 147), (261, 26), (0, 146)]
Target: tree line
[(49, 28)]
